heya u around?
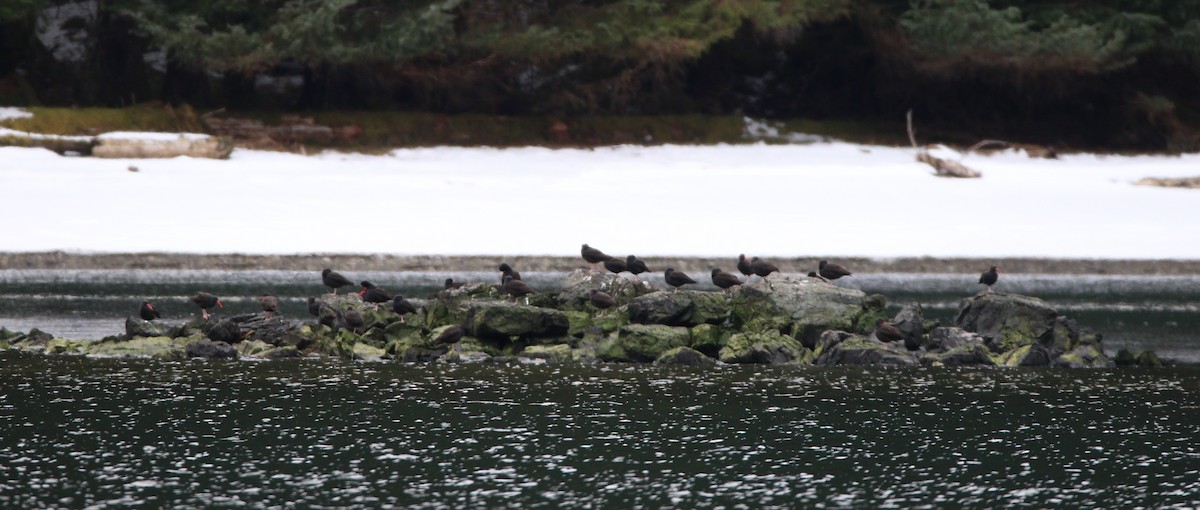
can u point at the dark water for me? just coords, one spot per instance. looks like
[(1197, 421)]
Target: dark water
[(107, 433), (1139, 312)]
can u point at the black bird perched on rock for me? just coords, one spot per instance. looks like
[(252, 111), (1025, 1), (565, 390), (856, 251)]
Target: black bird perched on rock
[(676, 279), (206, 301), (326, 315), (147, 311), (743, 265), (451, 284), (506, 271), (269, 304), (351, 319), (990, 277), (724, 280), (450, 335), (517, 288), (635, 265), (334, 279), (615, 266), (601, 300), (762, 268), (593, 256), (831, 271), (402, 306), (885, 332), (373, 294), (314, 306)]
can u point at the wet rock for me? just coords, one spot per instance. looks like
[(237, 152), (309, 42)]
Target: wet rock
[(944, 338), (643, 342), (225, 331), (1084, 356), (708, 339), (422, 354), (1125, 357), (808, 307), (683, 308), (501, 320), (767, 347), (910, 320), (574, 292), (1007, 321), (254, 348), (209, 349), (857, 350), (135, 327), (365, 352), (283, 353), (155, 347), (257, 326), (1149, 359), (560, 353), (967, 354), (685, 356)]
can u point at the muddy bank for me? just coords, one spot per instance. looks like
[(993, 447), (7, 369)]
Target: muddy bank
[(382, 262)]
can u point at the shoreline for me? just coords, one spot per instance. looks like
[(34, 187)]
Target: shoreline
[(537, 263)]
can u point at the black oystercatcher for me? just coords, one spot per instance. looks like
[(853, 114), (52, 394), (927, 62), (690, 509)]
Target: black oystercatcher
[(334, 279), (885, 332), (373, 294), (593, 256), (601, 300), (831, 271), (351, 319), (450, 335), (989, 277), (615, 266), (314, 306), (743, 265), (206, 301), (147, 311), (402, 306), (724, 280), (507, 270), (676, 279), (326, 315), (451, 284), (517, 288), (763, 268), (269, 304), (635, 265)]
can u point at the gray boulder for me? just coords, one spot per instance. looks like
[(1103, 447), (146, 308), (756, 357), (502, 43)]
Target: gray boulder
[(574, 292), (769, 347), (225, 331), (210, 350), (500, 320), (685, 356), (807, 307), (968, 354), (857, 350), (944, 338), (683, 308), (910, 320), (1007, 321), (135, 327), (643, 342)]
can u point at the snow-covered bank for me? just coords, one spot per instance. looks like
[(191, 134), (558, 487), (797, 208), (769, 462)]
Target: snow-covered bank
[(770, 200)]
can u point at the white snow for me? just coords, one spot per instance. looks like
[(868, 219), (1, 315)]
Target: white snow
[(834, 199), (8, 112), (132, 135)]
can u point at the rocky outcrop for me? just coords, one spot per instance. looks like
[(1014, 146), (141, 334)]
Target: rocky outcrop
[(1026, 331), (792, 321)]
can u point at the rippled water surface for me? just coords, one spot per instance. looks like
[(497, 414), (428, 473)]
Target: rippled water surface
[(112, 433)]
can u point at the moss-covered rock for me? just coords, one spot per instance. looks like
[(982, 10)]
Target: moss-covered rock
[(209, 349), (64, 346), (683, 308), (500, 320), (560, 353), (366, 352), (154, 347), (1084, 356), (685, 356), (574, 293), (1149, 359), (643, 342), (469, 350), (873, 308), (763, 347), (1007, 321), (339, 344), (135, 327), (975, 354), (857, 350), (804, 307), (708, 339), (254, 348)]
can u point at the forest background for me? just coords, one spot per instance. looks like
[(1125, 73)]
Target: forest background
[(1112, 75)]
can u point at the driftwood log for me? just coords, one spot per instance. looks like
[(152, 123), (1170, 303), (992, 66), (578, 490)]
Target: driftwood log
[(292, 130), (942, 167)]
